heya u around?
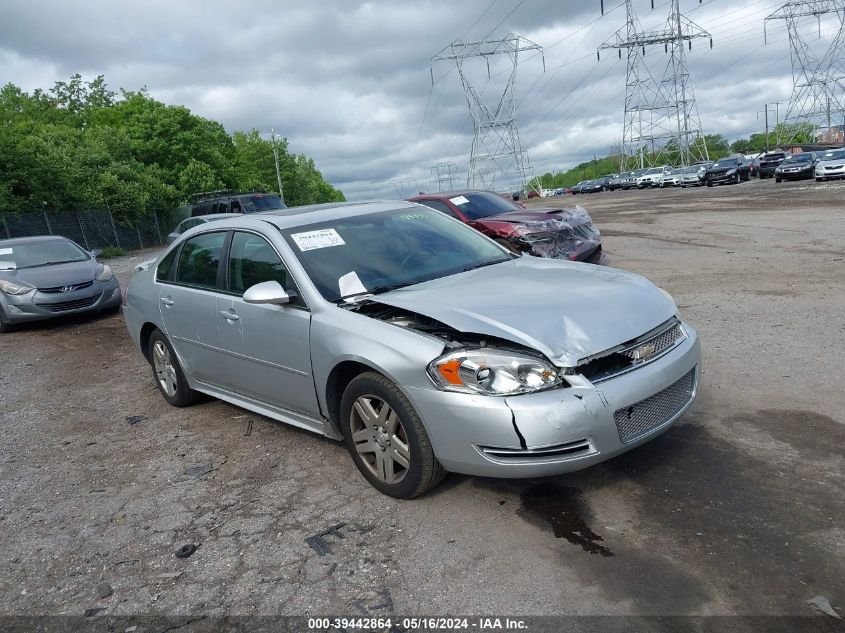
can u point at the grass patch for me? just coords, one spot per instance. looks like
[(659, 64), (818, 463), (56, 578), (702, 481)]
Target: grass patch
[(112, 251)]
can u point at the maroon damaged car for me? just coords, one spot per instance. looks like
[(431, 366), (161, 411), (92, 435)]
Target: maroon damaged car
[(558, 233)]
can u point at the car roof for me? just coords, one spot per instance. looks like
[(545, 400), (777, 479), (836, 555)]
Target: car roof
[(32, 240), (444, 195), (317, 213), (211, 216)]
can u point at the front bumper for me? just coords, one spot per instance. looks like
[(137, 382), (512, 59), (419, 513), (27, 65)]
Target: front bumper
[(803, 174), (561, 430), (831, 172), (720, 178), (39, 306)]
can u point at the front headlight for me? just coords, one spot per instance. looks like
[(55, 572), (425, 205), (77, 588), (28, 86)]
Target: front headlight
[(731, 172), (14, 289), (492, 372), (105, 274)]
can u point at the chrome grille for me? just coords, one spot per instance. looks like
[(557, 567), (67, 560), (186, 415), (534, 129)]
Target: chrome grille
[(649, 347), (568, 449), (67, 287), (638, 419), (65, 306), (656, 345)]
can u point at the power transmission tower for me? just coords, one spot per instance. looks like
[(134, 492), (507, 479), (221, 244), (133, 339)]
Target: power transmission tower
[(404, 186), (496, 148), (443, 175), (659, 114), (818, 79)]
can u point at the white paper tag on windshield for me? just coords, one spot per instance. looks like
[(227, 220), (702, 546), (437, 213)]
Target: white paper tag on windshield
[(6, 251), (458, 200), (350, 284), (312, 240)]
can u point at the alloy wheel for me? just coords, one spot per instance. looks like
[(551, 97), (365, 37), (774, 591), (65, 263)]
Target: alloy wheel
[(164, 369), (380, 438)]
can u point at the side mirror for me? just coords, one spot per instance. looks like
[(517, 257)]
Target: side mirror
[(267, 292), (96, 253)]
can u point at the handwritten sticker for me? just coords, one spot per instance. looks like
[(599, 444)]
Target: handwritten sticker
[(313, 240), (6, 251), (458, 200)]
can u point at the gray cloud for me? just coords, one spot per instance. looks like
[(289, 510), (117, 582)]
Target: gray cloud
[(348, 82)]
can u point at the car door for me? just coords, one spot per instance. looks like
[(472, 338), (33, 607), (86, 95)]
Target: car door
[(188, 304), (267, 346)]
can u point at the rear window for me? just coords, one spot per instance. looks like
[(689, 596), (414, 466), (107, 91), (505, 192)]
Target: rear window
[(481, 204), (261, 202)]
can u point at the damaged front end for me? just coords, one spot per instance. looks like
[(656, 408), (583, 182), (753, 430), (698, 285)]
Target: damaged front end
[(558, 234)]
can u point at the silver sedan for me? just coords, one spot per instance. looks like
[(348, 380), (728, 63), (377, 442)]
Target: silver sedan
[(421, 344), (48, 276)]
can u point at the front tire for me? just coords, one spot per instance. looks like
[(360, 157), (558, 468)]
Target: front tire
[(5, 326), (386, 438), (168, 374)]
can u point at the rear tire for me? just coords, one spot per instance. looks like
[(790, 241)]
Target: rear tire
[(382, 430), (168, 374), (709, 184)]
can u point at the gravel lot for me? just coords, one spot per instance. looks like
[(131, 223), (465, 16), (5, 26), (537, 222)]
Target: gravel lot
[(736, 510)]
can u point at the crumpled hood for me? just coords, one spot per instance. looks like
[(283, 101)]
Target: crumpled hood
[(568, 311), (552, 219), (53, 276)]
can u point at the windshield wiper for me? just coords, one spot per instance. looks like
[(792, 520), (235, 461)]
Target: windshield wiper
[(483, 264), (380, 289), (69, 261)]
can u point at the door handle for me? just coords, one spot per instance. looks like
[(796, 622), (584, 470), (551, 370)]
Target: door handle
[(229, 316), (167, 302)]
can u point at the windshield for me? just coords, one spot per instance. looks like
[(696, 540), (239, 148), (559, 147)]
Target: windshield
[(835, 155), (482, 204), (727, 162), (382, 251), (33, 254), (799, 158), (694, 169), (638, 172), (654, 170), (260, 202)]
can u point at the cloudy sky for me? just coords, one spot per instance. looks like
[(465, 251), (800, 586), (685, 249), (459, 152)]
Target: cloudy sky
[(349, 82)]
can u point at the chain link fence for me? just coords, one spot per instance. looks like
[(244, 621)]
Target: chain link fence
[(91, 229)]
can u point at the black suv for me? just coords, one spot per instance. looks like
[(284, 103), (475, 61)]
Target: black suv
[(768, 163), (210, 202)]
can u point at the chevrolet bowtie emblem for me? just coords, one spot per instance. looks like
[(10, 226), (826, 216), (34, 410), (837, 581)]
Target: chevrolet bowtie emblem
[(644, 352)]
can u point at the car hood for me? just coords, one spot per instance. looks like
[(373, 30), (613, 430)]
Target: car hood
[(568, 311), (53, 276), (550, 216)]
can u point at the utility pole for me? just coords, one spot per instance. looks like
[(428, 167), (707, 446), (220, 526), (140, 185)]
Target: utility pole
[(443, 173), (660, 110), (405, 186), (595, 167), (496, 147), (766, 110), (818, 75), (276, 161)]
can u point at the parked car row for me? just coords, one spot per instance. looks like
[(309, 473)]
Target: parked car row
[(822, 166)]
